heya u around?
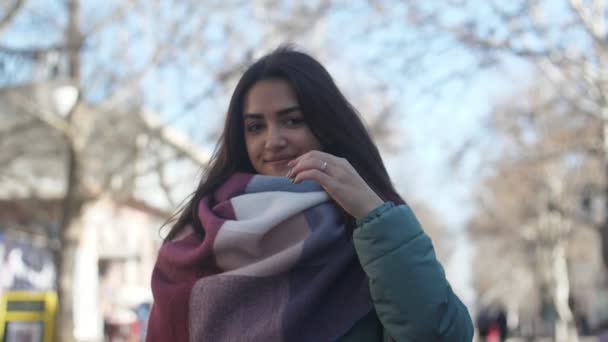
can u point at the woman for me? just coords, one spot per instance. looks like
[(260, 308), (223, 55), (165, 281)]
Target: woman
[(295, 232)]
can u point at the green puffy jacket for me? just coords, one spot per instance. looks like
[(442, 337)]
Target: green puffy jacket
[(413, 300)]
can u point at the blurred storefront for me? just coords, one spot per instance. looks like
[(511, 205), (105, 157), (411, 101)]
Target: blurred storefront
[(27, 289), (119, 243), (24, 265)]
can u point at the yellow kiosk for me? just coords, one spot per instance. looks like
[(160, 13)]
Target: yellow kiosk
[(27, 316)]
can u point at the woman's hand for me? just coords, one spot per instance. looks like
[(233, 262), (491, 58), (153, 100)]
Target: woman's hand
[(338, 178)]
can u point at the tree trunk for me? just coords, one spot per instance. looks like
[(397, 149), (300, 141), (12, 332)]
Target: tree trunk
[(565, 330), (603, 229), (65, 318), (74, 198), (70, 237)]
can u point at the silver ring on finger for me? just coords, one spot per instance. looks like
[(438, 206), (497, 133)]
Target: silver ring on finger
[(324, 166)]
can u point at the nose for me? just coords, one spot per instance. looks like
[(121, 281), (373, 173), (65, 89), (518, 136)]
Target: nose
[(275, 138)]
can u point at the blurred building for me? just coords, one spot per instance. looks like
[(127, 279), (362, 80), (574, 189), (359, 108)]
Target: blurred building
[(135, 171), (115, 261)]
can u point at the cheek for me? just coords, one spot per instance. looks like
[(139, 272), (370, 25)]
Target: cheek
[(310, 141), (314, 142), (250, 145)]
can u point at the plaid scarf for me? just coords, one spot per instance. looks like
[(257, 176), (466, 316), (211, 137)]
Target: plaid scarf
[(276, 264)]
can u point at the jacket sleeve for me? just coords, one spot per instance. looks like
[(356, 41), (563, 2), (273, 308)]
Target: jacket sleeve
[(411, 295)]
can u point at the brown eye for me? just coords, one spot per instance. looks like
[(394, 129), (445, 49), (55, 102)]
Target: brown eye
[(294, 121), (254, 127)]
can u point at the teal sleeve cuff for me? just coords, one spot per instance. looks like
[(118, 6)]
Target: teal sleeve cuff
[(375, 213)]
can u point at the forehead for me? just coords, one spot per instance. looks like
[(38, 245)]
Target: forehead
[(269, 96)]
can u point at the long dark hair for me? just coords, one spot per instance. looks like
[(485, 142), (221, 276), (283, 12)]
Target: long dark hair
[(331, 118)]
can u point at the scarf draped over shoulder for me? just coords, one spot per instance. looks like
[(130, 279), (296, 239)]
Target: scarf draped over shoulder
[(276, 264)]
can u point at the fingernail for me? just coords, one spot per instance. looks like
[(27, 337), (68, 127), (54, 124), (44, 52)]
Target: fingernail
[(288, 173), (293, 180)]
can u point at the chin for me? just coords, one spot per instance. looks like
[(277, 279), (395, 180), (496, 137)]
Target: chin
[(279, 173), (275, 171)]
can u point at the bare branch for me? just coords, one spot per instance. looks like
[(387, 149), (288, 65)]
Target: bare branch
[(164, 185), (505, 45), (555, 73), (51, 119), (10, 14), (33, 52), (152, 167), (507, 16), (594, 25), (134, 80), (175, 139), (111, 18)]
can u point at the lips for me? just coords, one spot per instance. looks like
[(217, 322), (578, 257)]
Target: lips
[(278, 160)]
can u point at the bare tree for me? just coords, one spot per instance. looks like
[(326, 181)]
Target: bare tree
[(521, 219), (532, 198), (565, 40), (106, 56), (9, 10)]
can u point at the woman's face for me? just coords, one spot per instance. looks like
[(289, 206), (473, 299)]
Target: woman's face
[(275, 129)]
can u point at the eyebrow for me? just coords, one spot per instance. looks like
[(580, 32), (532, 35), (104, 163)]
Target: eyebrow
[(281, 112)]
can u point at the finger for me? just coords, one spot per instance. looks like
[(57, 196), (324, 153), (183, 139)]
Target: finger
[(308, 164), (293, 162), (325, 180), (320, 160), (313, 154)]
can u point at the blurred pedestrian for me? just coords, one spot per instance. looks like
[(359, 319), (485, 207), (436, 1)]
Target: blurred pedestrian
[(492, 323)]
